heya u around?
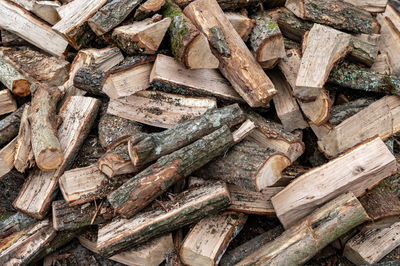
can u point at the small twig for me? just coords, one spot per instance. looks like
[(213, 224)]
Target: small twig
[(97, 211)]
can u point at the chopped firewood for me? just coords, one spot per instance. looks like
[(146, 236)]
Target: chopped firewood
[(23, 157), (303, 240), (382, 64), (73, 24), (7, 102), (242, 24), (369, 38), (331, 179), (9, 126), (389, 41), (31, 29), (45, 10), (11, 39), (90, 80), (237, 63), (225, 4), (102, 59), (15, 223), (186, 208), (7, 157), (371, 246), (148, 8), (111, 14), (266, 39), (21, 247), (393, 15), (159, 144), (78, 114), (372, 6), (379, 118), (141, 37), (334, 13), (207, 241), (171, 76), (151, 253), (251, 202), (160, 109)]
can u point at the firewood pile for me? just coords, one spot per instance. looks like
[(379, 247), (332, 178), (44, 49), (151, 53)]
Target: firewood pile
[(199, 132)]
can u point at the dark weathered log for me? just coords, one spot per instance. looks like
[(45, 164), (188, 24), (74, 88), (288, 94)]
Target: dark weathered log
[(23, 157), (237, 63), (159, 144), (11, 39), (7, 102), (90, 80), (148, 8), (7, 154), (302, 241), (188, 207), (9, 126), (15, 223)]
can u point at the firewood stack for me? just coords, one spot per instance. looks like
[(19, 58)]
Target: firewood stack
[(199, 132)]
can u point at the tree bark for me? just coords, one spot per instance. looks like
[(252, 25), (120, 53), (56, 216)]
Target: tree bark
[(15, 223), (90, 80), (9, 126)]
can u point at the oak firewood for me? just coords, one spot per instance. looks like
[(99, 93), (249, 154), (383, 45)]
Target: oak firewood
[(7, 102), (372, 6), (250, 82), (242, 24), (390, 41), (23, 157), (73, 24), (171, 76), (159, 144), (45, 10), (78, 114), (102, 59), (329, 180), (382, 64), (160, 109), (209, 238), (90, 80), (9, 125), (31, 29), (148, 8), (393, 14), (111, 14), (226, 4), (303, 240), (7, 157), (337, 14), (141, 37), (188, 207), (14, 223), (11, 39)]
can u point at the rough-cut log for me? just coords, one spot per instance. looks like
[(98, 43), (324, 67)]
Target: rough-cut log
[(14, 223), (251, 202), (151, 253), (237, 63), (379, 118), (171, 76), (73, 24), (7, 157), (45, 10), (7, 102), (23, 157), (21, 247), (372, 6), (366, 165), (78, 114), (11, 39), (90, 80), (111, 14), (382, 64), (389, 41), (226, 4), (302, 241), (188, 207), (371, 246), (242, 24), (207, 241), (337, 14), (31, 29), (140, 190), (9, 126), (148, 8), (102, 59), (266, 39), (339, 113), (160, 109), (159, 144), (141, 37)]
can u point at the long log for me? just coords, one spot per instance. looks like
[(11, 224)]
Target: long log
[(7, 102), (9, 126), (250, 82), (15, 223), (23, 157)]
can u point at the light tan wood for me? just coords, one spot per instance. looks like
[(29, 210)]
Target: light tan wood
[(78, 114), (207, 241), (242, 24), (159, 109), (372, 6), (23, 157), (7, 102), (31, 29), (207, 82), (382, 64), (380, 118), (199, 54), (148, 8), (393, 15), (371, 246), (369, 38), (357, 170), (7, 157), (45, 10)]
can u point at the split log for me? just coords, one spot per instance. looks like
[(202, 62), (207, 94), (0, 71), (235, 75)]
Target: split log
[(188, 207), (159, 144), (242, 24), (390, 41), (15, 223), (371, 6), (23, 157), (111, 14), (341, 112), (11, 39), (78, 114), (379, 118), (337, 14), (31, 29), (7, 102), (45, 10), (148, 8), (7, 157), (102, 59), (141, 37), (232, 53), (371, 246), (73, 24), (160, 109), (9, 126), (171, 76), (225, 4), (143, 188), (366, 166), (382, 64), (302, 241), (207, 241)]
